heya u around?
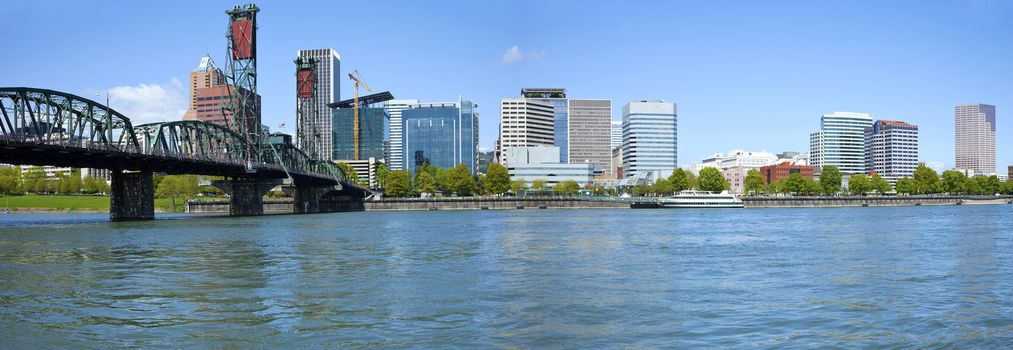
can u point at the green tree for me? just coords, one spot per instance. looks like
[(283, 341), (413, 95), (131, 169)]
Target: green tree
[(382, 172), (878, 184), (567, 188), (859, 184), (518, 186), (926, 179), (811, 187), (34, 180), (481, 184), (1008, 187), (425, 182), (349, 171), (694, 182), (906, 185), (712, 180), (497, 179), (662, 187), (754, 182), (443, 180), (173, 186), (795, 184), (460, 180), (830, 180), (538, 186), (953, 182), (777, 186), (9, 180), (680, 180), (987, 185), (398, 184)]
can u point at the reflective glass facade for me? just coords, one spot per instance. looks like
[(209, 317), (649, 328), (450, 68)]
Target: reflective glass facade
[(440, 134), (371, 127), (650, 141)]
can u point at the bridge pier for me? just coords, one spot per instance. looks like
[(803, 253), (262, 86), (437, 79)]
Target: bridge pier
[(246, 196), (306, 199), (132, 196)]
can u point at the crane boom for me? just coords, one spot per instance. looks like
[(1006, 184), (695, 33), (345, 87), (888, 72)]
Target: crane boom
[(355, 77)]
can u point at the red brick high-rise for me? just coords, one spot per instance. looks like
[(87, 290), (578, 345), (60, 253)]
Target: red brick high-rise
[(210, 94)]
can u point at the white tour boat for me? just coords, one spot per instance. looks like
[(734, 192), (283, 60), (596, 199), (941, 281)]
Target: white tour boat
[(691, 199)]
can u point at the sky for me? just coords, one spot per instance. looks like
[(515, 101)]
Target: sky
[(745, 74)]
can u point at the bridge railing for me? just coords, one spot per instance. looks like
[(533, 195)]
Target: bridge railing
[(52, 118), (47, 117)]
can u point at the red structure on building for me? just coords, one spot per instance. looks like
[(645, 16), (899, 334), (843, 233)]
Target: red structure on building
[(773, 173)]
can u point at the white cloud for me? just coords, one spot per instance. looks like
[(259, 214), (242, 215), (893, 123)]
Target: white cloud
[(514, 54), (147, 103), (935, 165)]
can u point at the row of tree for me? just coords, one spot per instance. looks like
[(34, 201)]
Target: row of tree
[(13, 181), (710, 179), (459, 181), (925, 180)]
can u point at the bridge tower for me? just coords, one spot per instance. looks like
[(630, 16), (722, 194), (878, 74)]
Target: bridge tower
[(305, 84), (242, 74)]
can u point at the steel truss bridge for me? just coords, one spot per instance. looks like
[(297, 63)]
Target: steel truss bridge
[(46, 127)]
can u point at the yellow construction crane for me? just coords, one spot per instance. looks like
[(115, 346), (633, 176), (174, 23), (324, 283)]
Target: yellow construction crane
[(355, 105)]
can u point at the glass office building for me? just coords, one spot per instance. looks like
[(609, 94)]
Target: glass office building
[(441, 134), (556, 97), (371, 133), (650, 138)]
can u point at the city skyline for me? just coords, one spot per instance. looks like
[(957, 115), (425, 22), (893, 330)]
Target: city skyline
[(901, 62)]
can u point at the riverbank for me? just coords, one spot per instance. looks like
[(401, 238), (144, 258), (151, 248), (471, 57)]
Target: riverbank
[(871, 201), (526, 203), (33, 203)]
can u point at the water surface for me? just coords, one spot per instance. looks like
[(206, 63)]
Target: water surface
[(607, 278)]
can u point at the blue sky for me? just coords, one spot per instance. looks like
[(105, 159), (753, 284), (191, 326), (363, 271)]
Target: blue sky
[(745, 74)]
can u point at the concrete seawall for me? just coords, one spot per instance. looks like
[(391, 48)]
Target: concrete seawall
[(499, 203), (490, 203), (886, 201), (431, 204)]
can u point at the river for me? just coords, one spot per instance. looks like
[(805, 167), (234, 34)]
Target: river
[(598, 278)]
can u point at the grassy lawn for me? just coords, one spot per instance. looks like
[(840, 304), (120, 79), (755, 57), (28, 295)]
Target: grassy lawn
[(71, 203)]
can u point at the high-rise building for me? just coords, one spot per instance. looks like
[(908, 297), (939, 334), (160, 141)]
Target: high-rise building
[(316, 119), (394, 108), (560, 124), (975, 138), (211, 96), (523, 122), (840, 142), (372, 123), (891, 149), (590, 131), (650, 138), (441, 134), (617, 134)]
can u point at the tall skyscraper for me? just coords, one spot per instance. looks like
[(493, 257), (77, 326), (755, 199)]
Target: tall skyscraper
[(556, 97), (372, 124), (617, 133), (317, 117), (650, 137), (891, 149), (840, 142), (523, 122), (441, 134), (211, 95), (590, 131), (975, 138), (394, 108)]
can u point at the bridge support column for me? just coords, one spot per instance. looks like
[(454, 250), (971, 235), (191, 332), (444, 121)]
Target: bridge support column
[(132, 196), (306, 199), (246, 196)]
